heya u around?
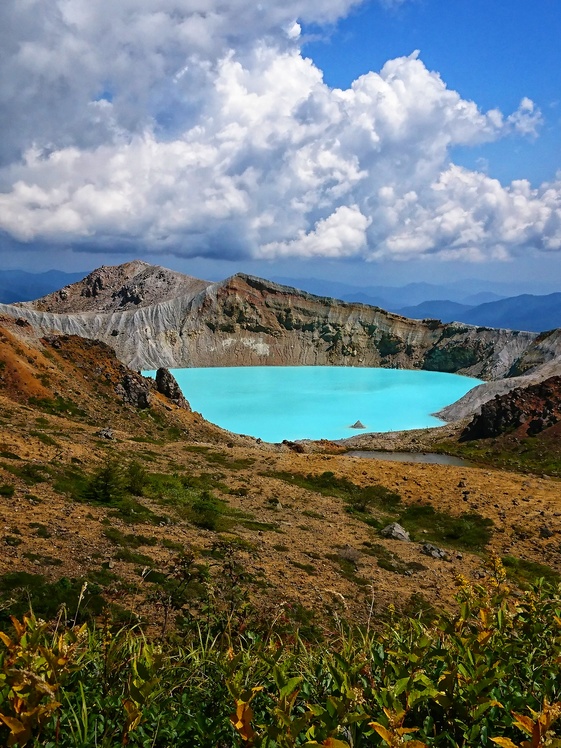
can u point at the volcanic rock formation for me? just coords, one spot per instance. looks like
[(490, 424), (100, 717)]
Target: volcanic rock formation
[(153, 317), (526, 411)]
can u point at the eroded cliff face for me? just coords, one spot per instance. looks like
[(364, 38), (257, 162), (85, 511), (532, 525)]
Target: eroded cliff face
[(246, 321), (176, 321), (249, 321)]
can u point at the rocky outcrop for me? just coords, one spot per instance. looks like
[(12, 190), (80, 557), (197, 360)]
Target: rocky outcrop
[(153, 317), (525, 410), (119, 288), (134, 390), (166, 384)]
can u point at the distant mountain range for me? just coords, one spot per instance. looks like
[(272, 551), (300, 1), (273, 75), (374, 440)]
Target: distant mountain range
[(455, 302), (472, 302), (19, 285), (469, 291), (525, 312)]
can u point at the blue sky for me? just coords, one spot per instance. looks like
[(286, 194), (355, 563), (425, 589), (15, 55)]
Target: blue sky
[(298, 138), (494, 53)]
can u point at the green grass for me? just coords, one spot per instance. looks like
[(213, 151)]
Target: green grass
[(24, 591), (447, 678), (6, 489), (58, 406), (533, 454), (308, 568), (30, 473), (132, 557), (45, 438), (326, 483), (7, 455), (251, 524), (390, 561), (524, 572), (128, 540), (230, 463), (347, 569), (469, 531), (43, 560), (12, 540), (311, 514), (377, 505)]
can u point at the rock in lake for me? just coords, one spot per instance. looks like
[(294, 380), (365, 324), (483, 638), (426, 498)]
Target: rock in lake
[(358, 425)]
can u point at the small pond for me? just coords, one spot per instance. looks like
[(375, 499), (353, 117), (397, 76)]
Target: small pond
[(428, 458)]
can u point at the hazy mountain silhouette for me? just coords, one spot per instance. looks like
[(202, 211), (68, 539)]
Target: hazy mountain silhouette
[(19, 285)]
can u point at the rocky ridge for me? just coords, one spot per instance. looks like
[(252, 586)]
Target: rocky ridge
[(154, 317), (525, 411)]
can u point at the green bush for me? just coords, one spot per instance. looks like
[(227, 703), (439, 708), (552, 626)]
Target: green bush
[(488, 669), (106, 485)]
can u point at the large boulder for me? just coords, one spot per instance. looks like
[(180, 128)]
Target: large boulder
[(166, 384), (395, 531)]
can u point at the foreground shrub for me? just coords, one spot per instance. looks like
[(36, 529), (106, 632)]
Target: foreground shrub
[(487, 674)]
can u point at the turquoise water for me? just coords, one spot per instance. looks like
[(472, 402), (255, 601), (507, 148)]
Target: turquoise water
[(318, 402)]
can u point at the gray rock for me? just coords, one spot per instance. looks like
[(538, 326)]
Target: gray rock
[(545, 532), (134, 390), (434, 552), (358, 425), (395, 531), (106, 433)]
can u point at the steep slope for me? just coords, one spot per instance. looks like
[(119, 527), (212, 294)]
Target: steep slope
[(226, 502)]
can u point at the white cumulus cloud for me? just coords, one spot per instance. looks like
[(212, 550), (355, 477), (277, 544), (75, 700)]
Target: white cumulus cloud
[(200, 128)]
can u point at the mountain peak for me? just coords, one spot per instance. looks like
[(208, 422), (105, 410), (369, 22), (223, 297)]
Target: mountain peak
[(118, 288)]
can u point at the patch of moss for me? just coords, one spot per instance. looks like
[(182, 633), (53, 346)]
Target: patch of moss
[(308, 568), (132, 557), (128, 540), (389, 561), (347, 569), (45, 438)]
